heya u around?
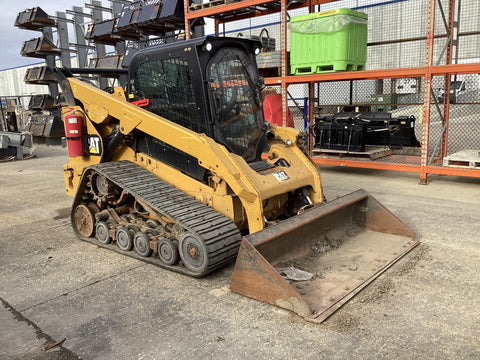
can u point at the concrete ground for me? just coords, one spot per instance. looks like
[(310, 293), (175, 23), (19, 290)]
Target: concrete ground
[(108, 306)]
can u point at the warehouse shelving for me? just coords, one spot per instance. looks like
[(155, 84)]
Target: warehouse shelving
[(230, 11)]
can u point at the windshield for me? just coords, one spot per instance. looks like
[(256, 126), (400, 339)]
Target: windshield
[(234, 98)]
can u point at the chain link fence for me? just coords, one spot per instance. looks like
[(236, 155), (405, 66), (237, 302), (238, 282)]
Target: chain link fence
[(396, 38)]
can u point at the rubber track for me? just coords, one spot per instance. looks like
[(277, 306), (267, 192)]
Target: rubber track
[(220, 235)]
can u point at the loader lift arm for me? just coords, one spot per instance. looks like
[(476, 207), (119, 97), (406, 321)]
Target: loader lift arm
[(102, 107)]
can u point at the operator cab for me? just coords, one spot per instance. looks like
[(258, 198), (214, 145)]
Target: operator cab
[(234, 91), (209, 85)]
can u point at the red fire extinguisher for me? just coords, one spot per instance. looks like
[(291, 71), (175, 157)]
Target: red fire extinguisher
[(73, 132)]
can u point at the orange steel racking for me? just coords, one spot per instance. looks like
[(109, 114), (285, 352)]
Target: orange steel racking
[(231, 11)]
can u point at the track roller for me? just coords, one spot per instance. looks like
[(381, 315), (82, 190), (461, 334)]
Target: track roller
[(124, 238), (102, 232), (168, 251), (141, 243)]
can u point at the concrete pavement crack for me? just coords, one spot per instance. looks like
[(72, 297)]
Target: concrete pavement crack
[(64, 353), (81, 288)]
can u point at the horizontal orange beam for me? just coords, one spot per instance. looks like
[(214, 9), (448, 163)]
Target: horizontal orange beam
[(439, 170), (292, 6), (224, 8), (367, 164), (455, 69), (221, 9), (378, 74), (446, 170)]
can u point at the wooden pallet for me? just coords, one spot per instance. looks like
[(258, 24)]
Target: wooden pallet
[(463, 159), (370, 153)]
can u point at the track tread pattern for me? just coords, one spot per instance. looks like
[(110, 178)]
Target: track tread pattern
[(220, 235)]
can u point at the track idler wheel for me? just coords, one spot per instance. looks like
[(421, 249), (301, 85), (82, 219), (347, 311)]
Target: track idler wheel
[(167, 251), (193, 253), (84, 220)]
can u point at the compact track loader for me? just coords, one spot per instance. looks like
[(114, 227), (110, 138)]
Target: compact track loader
[(180, 169)]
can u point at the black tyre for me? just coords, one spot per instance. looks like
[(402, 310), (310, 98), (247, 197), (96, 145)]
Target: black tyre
[(193, 253), (124, 239), (141, 243), (102, 232), (152, 223), (133, 229), (167, 252), (111, 223), (131, 217), (151, 232)]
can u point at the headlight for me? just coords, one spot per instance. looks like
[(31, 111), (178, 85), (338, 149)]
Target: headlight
[(208, 46)]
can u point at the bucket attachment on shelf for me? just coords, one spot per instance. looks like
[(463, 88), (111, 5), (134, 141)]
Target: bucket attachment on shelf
[(39, 48), (33, 19), (42, 75), (313, 263), (101, 32)]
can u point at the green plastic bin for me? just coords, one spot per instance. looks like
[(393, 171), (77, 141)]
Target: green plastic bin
[(327, 41)]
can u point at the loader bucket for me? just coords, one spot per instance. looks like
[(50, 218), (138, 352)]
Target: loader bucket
[(343, 245)]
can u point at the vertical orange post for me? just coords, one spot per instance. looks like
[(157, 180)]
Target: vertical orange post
[(187, 19), (427, 93), (217, 24)]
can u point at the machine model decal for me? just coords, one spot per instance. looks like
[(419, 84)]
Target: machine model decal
[(94, 145)]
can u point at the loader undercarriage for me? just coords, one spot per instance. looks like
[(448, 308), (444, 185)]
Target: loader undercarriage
[(123, 207)]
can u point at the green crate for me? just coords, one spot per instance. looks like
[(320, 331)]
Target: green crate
[(384, 102), (333, 40)]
